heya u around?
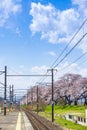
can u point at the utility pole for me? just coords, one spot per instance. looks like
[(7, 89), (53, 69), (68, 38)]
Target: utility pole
[(32, 97), (37, 99), (15, 99), (5, 87), (27, 96), (52, 70), (12, 95)]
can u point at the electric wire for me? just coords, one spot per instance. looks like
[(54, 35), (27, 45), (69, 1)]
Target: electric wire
[(66, 48), (80, 57), (70, 50), (68, 43)]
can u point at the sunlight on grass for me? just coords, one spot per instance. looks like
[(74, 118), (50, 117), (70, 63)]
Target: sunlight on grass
[(62, 110)]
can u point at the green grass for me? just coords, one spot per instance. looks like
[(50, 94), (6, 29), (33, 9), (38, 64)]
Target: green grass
[(74, 110), (68, 124), (60, 110)]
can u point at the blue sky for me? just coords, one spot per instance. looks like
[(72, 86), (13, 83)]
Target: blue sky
[(34, 32)]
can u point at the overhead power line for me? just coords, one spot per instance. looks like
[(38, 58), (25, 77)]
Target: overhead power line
[(70, 50), (80, 57), (52, 66), (69, 43)]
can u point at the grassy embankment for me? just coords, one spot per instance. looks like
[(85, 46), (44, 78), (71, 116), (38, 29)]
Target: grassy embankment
[(60, 111)]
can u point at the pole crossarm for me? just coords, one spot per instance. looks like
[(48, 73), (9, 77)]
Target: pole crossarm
[(25, 75)]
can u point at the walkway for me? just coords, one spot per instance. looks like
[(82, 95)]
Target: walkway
[(15, 121)]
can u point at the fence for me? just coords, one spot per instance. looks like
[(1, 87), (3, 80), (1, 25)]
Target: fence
[(76, 119)]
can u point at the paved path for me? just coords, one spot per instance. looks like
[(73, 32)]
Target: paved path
[(8, 122), (15, 121), (28, 125)]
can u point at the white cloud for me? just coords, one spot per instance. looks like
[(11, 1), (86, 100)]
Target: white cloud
[(83, 45), (24, 82), (81, 3), (21, 66), (58, 26), (8, 8), (82, 7), (61, 70), (39, 69), (67, 68), (53, 24), (21, 82), (18, 31), (52, 53), (83, 72)]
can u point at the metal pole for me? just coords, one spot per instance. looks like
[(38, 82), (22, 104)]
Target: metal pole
[(52, 70), (27, 96), (37, 99), (15, 98), (32, 97), (10, 95), (52, 99), (5, 90)]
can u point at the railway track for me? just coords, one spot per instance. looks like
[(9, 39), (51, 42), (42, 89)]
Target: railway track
[(40, 123)]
